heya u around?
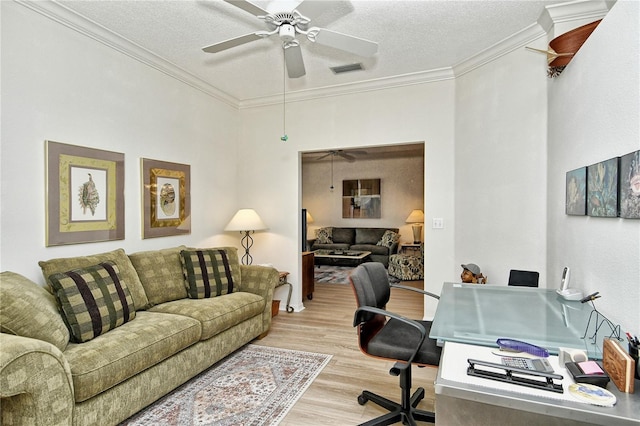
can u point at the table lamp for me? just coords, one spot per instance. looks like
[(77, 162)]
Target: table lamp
[(416, 217), (246, 221)]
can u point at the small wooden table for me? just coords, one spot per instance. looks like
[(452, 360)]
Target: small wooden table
[(410, 249)]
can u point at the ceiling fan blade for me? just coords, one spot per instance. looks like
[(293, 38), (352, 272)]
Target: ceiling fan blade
[(228, 44), (351, 44), (248, 7), (293, 59), (323, 156), (313, 8), (349, 158)]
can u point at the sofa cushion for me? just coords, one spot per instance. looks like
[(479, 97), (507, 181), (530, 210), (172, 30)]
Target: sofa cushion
[(93, 300), (389, 238), (160, 273), (127, 271), (207, 273), (324, 236), (369, 235), (344, 235), (122, 353), (216, 314), (28, 310)]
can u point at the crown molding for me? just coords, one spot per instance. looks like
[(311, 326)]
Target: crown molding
[(553, 14), (575, 11), (579, 10), (501, 48), (422, 77), (64, 16)]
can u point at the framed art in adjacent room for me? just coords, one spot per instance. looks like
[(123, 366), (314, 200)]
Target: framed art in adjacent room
[(85, 194), (602, 189), (166, 203), (630, 186), (361, 199), (576, 192)]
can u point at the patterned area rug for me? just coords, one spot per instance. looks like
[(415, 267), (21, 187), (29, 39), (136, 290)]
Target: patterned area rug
[(337, 274), (332, 274), (256, 385)]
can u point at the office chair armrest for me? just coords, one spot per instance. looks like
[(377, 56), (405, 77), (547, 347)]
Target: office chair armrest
[(423, 332), (404, 287)]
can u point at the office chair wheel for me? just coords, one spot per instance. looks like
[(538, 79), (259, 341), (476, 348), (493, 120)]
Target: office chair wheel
[(362, 399)]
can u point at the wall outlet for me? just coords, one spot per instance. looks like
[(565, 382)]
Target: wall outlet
[(438, 223)]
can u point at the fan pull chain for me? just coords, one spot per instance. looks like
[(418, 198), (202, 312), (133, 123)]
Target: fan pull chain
[(284, 136)]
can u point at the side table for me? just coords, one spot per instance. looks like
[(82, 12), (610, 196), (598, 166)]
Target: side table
[(410, 249), (282, 280)]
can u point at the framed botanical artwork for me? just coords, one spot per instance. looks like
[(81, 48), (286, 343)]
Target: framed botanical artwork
[(576, 192), (85, 194), (166, 203), (630, 186), (602, 189), (361, 199)]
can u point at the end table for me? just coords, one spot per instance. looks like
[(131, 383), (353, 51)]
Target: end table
[(282, 280)]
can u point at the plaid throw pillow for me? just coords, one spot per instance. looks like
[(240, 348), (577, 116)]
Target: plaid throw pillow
[(207, 273), (93, 300), (324, 236), (389, 239)]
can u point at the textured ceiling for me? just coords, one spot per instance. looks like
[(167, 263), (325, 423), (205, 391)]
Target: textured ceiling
[(413, 37)]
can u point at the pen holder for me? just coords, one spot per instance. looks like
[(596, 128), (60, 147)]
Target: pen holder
[(633, 352)]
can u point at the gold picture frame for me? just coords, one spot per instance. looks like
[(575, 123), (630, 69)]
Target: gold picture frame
[(166, 208), (85, 194)]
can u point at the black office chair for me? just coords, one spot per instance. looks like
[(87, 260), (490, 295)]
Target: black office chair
[(523, 278), (383, 334)]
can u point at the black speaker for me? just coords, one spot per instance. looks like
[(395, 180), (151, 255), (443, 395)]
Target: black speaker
[(304, 230)]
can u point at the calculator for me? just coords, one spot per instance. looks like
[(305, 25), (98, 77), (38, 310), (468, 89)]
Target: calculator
[(537, 364)]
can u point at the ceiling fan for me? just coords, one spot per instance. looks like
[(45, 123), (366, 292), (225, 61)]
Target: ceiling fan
[(287, 25), (341, 153)]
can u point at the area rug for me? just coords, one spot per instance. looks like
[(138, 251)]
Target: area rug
[(337, 274), (256, 385), (332, 274)]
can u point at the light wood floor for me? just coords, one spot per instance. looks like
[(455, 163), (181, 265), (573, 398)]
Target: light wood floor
[(325, 326)]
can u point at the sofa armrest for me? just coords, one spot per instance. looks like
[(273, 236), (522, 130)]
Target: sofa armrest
[(260, 280), (393, 249), (35, 383)]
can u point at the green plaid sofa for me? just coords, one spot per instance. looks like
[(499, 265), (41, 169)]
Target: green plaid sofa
[(53, 374)]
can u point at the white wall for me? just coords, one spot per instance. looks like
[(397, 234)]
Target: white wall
[(270, 168), (58, 84), (593, 116), (63, 86), (500, 189)]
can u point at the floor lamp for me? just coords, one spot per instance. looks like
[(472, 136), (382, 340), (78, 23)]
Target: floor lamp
[(246, 221), (416, 218)]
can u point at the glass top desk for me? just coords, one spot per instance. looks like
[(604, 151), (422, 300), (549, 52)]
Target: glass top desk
[(481, 314)]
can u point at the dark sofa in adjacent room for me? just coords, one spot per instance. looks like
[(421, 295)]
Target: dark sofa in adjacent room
[(381, 242)]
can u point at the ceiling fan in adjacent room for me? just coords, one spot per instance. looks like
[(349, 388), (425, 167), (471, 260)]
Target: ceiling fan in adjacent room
[(341, 153), (287, 25)]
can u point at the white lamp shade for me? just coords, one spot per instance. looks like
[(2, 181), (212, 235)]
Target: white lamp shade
[(309, 217), (416, 216), (246, 220)]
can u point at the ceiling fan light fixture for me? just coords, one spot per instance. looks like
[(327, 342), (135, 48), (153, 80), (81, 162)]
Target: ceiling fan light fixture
[(347, 68), (287, 33)]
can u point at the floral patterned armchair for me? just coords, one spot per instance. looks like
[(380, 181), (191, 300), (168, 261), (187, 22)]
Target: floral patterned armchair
[(407, 267)]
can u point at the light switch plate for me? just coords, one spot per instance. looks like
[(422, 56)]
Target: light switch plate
[(438, 223)]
